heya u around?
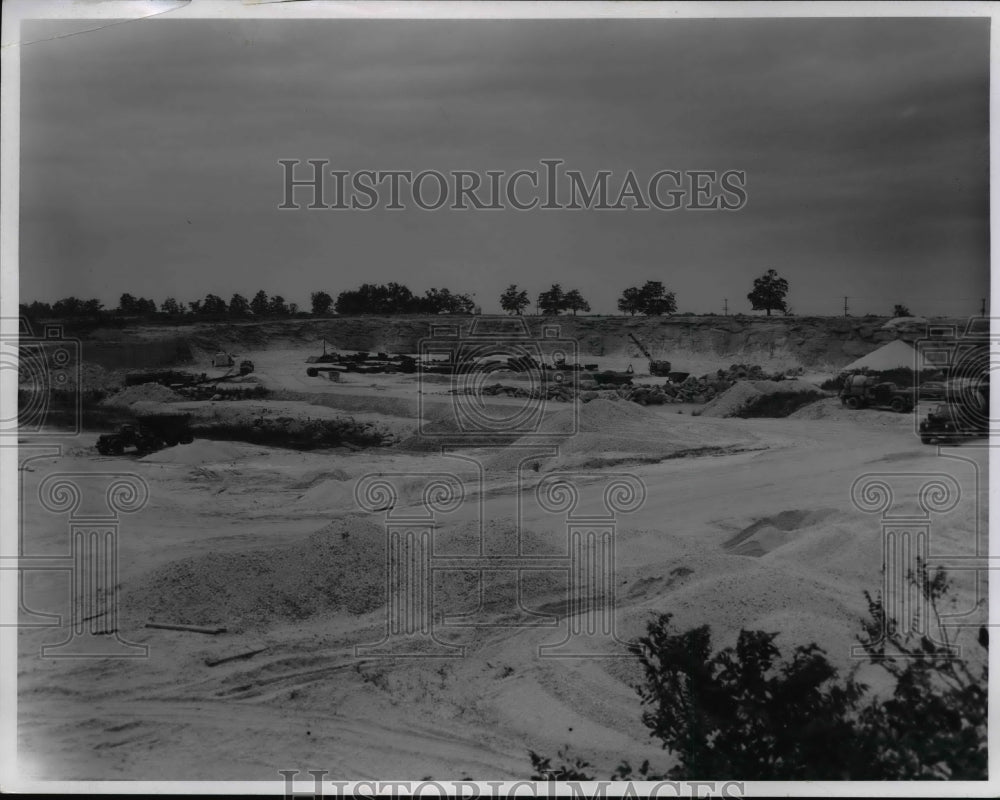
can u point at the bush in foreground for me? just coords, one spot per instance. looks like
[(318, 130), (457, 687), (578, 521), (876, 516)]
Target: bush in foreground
[(747, 713)]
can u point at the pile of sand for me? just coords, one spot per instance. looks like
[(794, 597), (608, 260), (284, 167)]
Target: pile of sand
[(604, 433), (200, 451), (746, 396), (775, 531), (333, 493), (831, 409), (145, 392), (339, 568)]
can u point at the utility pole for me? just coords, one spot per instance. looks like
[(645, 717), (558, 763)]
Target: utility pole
[(725, 306), (845, 305), (982, 310)]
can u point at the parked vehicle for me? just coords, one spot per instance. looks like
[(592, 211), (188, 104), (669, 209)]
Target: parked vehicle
[(862, 391), (147, 435)]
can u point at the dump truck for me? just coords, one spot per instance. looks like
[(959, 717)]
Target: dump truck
[(865, 391), (147, 435)]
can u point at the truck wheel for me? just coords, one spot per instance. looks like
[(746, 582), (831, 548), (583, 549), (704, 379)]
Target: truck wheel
[(899, 405), (312, 372), (852, 403), (103, 449), (116, 448), (186, 438), (927, 439)]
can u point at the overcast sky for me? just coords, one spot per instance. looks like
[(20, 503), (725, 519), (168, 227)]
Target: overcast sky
[(149, 157)]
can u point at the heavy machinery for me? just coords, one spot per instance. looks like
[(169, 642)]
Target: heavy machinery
[(612, 378), (246, 366), (148, 434), (223, 359), (965, 415), (865, 391), (659, 369)]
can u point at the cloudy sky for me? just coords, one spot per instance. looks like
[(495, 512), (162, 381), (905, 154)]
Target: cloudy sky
[(149, 157)]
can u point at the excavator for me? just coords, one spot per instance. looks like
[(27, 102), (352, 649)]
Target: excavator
[(659, 369)]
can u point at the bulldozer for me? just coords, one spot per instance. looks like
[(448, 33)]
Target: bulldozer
[(146, 435)]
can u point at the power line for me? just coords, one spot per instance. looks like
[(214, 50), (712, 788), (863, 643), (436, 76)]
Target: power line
[(845, 305)]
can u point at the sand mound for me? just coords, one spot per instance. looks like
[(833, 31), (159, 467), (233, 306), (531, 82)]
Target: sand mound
[(612, 433), (831, 409), (339, 568), (334, 493), (762, 398), (770, 533), (200, 451), (598, 414), (144, 392)]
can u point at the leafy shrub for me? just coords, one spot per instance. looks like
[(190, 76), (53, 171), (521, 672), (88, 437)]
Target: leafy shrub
[(746, 713)]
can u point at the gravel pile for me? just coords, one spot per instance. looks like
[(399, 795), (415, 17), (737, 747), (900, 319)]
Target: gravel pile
[(341, 568), (144, 392), (750, 398)]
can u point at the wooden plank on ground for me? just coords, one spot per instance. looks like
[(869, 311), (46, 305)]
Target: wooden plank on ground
[(170, 626)]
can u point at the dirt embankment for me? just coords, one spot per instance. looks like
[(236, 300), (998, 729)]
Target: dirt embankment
[(812, 342)]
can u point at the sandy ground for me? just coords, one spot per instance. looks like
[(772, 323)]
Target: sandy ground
[(745, 524)]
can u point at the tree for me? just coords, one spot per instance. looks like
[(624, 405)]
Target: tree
[(67, 307), (574, 302), (238, 306), (259, 304), (36, 310), (514, 300), (435, 301), (321, 303), (901, 311), (655, 300), (745, 712), (213, 305), (127, 304), (94, 306), (553, 301), (277, 306), (768, 293), (371, 298), (172, 307), (631, 301)]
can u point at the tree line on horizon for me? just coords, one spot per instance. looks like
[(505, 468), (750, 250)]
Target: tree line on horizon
[(651, 299)]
